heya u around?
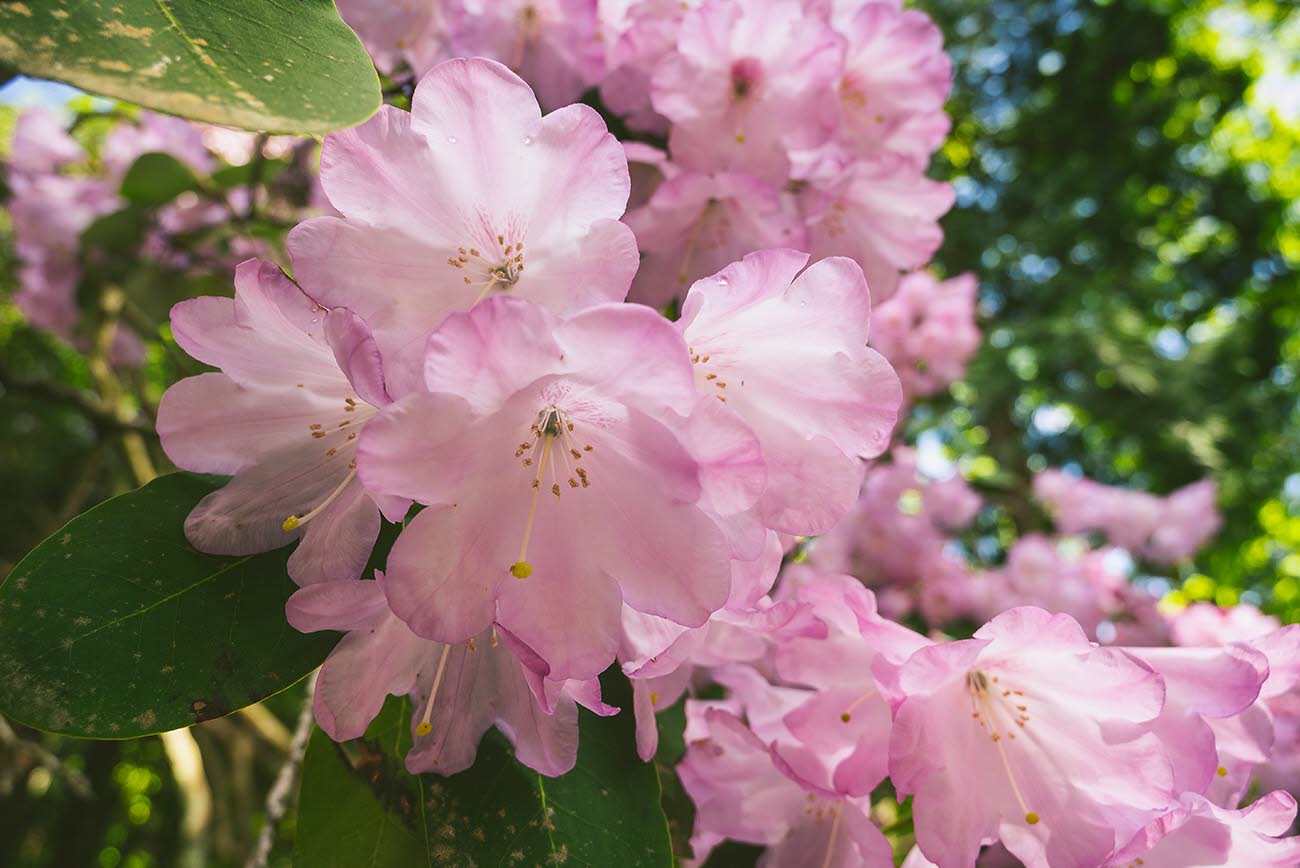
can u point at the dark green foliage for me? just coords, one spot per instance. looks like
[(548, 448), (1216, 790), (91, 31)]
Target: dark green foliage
[(117, 627), (360, 806)]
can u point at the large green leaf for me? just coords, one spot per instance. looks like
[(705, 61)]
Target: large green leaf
[(276, 65), (116, 626), (359, 805)]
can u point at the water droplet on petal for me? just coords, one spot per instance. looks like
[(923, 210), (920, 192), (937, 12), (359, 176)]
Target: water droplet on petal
[(722, 281), (451, 140), (528, 140)]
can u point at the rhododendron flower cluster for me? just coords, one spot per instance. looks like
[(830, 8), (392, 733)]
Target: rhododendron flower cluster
[(59, 189), (927, 331), (466, 348), (1163, 529), (790, 124), (633, 407), (896, 539)]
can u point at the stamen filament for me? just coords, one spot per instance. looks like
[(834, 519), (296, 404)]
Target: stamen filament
[(521, 569), (830, 843), (425, 727), (1030, 817), (293, 522), (491, 283)]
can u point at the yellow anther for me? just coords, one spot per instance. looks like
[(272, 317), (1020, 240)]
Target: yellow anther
[(521, 569)]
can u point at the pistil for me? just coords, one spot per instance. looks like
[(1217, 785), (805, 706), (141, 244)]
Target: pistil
[(294, 522), (425, 727)]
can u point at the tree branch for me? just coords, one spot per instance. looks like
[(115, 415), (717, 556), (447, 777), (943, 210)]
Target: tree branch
[(277, 800)]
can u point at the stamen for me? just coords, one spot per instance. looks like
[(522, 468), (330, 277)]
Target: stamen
[(521, 569), (977, 686), (425, 727), (830, 842), (293, 522)]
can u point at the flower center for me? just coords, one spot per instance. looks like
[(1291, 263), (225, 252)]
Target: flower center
[(708, 377), (822, 810), (491, 261), (550, 444), (990, 703), (341, 435), (746, 75)]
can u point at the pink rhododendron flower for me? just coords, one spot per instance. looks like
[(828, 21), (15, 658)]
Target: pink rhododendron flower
[(738, 632), (553, 44), (638, 34), (881, 212), (1042, 571), (396, 32), (1208, 624), (295, 389), (1201, 684), (1029, 734), (49, 214), (471, 194), (749, 82), (739, 793), (41, 144), (459, 691), (927, 330), (896, 533), (839, 737), (786, 351), (895, 82), (1196, 833), (552, 457), (1166, 530), (696, 224), (1263, 741), (1191, 519)]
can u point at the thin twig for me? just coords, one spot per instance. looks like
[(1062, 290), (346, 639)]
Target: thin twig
[(111, 301), (75, 780), (90, 406), (277, 800)]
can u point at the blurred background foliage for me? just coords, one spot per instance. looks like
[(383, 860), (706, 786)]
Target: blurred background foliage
[(1128, 180)]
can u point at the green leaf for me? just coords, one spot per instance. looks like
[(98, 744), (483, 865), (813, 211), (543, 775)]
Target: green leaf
[(155, 179), (276, 65), (116, 627), (360, 806), (119, 231)]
